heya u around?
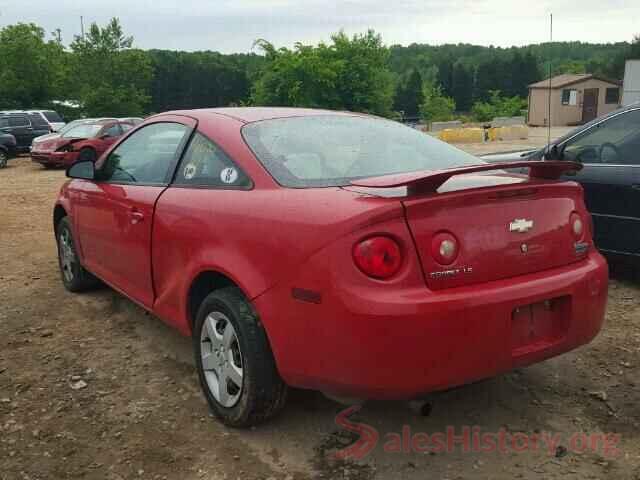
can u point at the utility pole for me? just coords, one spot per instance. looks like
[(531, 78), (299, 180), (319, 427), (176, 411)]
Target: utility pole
[(82, 26)]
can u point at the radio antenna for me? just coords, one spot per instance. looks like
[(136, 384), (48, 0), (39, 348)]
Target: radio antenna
[(549, 99)]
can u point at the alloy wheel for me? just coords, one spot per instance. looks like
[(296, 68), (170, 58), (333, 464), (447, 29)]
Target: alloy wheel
[(221, 359), (67, 255)]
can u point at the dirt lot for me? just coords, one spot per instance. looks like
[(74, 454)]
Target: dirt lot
[(93, 387)]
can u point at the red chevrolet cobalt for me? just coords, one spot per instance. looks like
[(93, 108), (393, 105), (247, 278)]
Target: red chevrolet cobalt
[(332, 251)]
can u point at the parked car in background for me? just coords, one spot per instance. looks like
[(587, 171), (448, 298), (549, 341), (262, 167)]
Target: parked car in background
[(65, 129), (7, 148), (134, 120), (332, 251), (609, 150), (21, 126), (51, 117), (86, 141)]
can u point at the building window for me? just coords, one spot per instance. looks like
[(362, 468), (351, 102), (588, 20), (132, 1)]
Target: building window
[(613, 95), (569, 97)]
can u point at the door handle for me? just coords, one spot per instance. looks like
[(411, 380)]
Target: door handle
[(136, 217), (636, 186)]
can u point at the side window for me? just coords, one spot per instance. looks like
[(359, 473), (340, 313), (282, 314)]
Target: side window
[(18, 121), (37, 120), (615, 142), (113, 131), (146, 156), (126, 127), (4, 122), (569, 97), (612, 95), (205, 164)]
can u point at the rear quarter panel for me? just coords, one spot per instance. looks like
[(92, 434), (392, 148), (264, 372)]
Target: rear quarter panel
[(256, 237)]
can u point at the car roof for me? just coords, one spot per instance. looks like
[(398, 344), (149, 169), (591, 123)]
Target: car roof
[(255, 114), (101, 121)]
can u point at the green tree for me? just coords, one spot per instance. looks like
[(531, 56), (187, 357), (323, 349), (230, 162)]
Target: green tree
[(462, 86), (436, 106), (498, 106), (349, 74), (410, 95), (110, 78), (570, 66), (200, 79), (31, 69)]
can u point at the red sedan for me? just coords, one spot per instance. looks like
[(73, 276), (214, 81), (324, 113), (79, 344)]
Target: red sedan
[(86, 141), (332, 251)]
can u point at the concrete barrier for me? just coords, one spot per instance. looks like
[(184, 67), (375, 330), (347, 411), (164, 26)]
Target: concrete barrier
[(515, 132), (462, 135), (507, 121), (440, 126)]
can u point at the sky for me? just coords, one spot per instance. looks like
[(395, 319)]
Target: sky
[(232, 26)]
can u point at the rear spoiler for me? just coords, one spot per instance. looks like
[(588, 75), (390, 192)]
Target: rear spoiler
[(430, 181)]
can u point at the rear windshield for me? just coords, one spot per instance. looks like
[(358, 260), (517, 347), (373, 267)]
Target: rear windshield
[(332, 150), (83, 131), (53, 116)]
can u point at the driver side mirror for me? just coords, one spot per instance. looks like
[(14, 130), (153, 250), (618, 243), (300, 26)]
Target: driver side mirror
[(554, 153), (84, 170)]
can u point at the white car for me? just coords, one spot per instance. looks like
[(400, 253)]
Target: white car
[(52, 117)]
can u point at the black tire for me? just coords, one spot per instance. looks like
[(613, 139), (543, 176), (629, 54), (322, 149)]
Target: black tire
[(74, 277), (87, 154), (4, 158), (263, 393)]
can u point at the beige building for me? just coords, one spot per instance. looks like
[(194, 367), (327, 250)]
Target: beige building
[(575, 99)]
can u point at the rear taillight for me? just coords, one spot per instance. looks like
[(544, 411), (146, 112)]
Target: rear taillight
[(444, 248), (577, 226), (378, 257)]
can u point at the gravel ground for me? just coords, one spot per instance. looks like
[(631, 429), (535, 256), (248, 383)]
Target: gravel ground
[(93, 387)]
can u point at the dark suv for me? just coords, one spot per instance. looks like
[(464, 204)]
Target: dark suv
[(24, 127)]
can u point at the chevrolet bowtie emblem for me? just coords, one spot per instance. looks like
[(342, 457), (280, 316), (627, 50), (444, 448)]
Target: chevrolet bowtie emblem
[(521, 225)]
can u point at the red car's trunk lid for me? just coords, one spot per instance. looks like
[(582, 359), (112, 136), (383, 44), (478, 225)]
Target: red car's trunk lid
[(503, 228), (501, 233)]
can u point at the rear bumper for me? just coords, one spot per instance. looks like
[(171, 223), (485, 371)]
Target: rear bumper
[(54, 159), (401, 344)]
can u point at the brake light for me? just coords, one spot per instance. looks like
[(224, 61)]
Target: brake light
[(378, 257), (577, 226), (444, 248)]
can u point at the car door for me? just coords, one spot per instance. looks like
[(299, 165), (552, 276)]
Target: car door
[(609, 152), (115, 212), (20, 127), (39, 126)]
